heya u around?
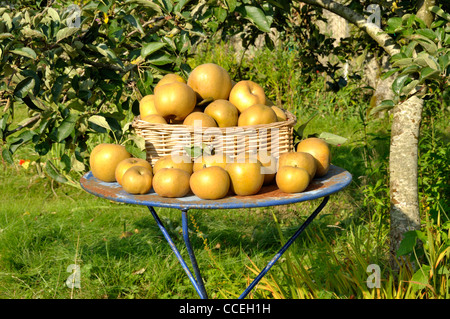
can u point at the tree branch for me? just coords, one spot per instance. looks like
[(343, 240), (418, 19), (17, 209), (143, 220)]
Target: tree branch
[(377, 34)]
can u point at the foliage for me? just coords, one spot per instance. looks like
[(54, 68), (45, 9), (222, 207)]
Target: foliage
[(423, 64)]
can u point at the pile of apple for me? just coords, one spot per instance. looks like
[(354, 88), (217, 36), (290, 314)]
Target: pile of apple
[(210, 97), (211, 176)]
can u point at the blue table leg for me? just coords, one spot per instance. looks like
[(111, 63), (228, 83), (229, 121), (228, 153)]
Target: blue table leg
[(197, 285), (284, 248)]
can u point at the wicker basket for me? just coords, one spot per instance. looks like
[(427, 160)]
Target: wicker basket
[(163, 139)]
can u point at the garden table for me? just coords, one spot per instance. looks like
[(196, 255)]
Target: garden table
[(335, 180)]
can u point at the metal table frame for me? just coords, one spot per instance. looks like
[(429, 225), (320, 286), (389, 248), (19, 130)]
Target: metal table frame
[(336, 179)]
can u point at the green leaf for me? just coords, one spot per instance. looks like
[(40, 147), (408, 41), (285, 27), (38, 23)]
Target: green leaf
[(231, 4), (438, 11), (98, 121), (332, 139), (398, 83), (66, 127), (26, 52), (257, 16), (66, 33), (7, 156), (150, 48), (408, 243), (52, 171), (428, 73), (385, 105), (420, 278), (134, 22), (146, 3), (53, 14), (24, 86), (299, 131)]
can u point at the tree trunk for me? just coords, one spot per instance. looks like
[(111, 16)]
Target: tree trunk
[(404, 199)]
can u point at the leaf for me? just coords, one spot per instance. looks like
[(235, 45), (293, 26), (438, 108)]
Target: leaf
[(26, 52), (53, 172), (53, 14), (385, 105), (100, 122), (299, 131), (429, 73), (146, 3), (257, 16), (398, 83), (24, 87), (408, 243), (66, 127), (150, 48), (438, 11), (134, 22), (332, 139), (420, 278), (65, 33)]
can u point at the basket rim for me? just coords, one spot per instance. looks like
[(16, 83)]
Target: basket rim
[(141, 124)]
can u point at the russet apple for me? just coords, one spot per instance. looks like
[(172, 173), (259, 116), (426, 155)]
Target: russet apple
[(299, 159), (291, 179), (137, 180), (257, 114), (210, 183), (320, 150), (181, 161), (171, 182), (223, 112), (174, 101), (269, 167), (281, 115), (210, 82), (218, 159), (245, 94), (200, 119), (125, 164), (104, 159), (246, 175), (170, 78), (147, 106), (154, 119)]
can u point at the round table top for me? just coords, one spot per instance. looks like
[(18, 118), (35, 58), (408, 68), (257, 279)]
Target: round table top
[(336, 179)]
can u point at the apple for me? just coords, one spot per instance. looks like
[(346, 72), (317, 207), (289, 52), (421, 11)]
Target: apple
[(147, 106), (299, 159), (291, 179), (171, 182), (245, 94), (320, 150), (203, 161), (257, 114), (174, 100), (154, 119), (200, 119), (246, 175), (104, 159), (281, 115), (210, 82), (137, 180), (181, 161), (223, 112), (125, 164), (210, 183), (269, 167), (170, 78)]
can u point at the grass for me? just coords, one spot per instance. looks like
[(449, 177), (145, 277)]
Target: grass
[(47, 229)]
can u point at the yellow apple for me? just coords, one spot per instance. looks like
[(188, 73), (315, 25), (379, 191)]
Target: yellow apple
[(299, 159), (200, 119), (223, 112), (245, 94), (269, 169), (147, 106), (257, 114), (137, 180), (183, 162), (125, 164), (291, 179), (104, 159), (320, 150), (281, 115), (210, 81), (174, 100), (170, 78), (203, 161), (154, 119), (246, 175), (210, 183), (171, 182)]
